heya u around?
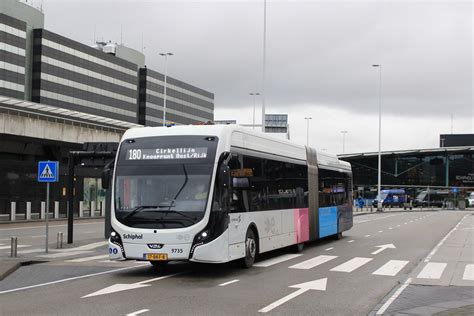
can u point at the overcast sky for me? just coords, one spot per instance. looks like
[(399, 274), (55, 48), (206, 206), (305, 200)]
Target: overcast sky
[(319, 57)]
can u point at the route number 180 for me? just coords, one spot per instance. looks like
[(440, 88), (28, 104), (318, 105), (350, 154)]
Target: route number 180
[(134, 154)]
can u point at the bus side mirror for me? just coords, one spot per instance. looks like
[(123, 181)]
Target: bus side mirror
[(107, 174), (224, 176)]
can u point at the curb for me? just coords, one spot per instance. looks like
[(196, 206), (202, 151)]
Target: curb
[(9, 270)]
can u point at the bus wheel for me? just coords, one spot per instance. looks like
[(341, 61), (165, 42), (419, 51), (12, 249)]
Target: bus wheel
[(250, 249), (298, 247), (338, 236), (159, 264)]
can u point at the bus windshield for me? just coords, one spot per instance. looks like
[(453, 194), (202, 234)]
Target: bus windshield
[(163, 182)]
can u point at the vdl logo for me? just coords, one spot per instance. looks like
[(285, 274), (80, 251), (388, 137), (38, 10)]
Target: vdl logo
[(113, 251)]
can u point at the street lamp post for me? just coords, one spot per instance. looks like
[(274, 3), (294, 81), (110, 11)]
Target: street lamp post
[(166, 77), (307, 130), (343, 140), (379, 171), (254, 94), (264, 61)]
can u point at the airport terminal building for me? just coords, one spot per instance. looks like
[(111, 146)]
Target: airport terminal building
[(450, 167), (57, 93)]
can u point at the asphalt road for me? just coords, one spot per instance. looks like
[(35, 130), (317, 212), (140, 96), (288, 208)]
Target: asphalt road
[(352, 276)]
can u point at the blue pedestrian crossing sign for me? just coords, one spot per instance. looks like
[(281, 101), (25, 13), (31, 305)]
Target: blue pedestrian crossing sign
[(48, 171)]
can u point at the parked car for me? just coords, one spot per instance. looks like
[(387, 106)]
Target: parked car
[(436, 198), (391, 197)]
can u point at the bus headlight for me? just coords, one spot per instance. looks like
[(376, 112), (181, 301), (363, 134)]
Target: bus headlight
[(202, 235)]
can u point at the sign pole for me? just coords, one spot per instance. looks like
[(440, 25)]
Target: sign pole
[(47, 215)]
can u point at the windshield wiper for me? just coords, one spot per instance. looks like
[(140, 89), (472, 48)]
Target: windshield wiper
[(138, 209), (177, 212)]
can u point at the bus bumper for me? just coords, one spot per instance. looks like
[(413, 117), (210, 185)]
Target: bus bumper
[(115, 252), (216, 251)]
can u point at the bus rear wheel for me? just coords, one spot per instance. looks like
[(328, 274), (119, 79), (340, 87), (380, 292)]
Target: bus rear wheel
[(250, 249), (298, 247)]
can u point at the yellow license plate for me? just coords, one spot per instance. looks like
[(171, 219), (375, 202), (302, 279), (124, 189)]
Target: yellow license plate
[(157, 256)]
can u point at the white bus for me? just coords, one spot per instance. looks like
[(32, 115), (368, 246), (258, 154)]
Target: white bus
[(219, 193)]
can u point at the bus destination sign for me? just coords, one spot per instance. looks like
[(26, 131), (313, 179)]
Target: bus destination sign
[(167, 153)]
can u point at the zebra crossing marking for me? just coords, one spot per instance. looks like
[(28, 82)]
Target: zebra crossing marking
[(330, 248), (352, 264), (276, 260), (313, 262), (468, 272), (391, 268), (432, 270)]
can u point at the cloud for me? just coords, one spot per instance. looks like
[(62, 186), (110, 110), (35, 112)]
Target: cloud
[(319, 57)]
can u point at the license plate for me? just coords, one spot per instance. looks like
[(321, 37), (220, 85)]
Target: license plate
[(156, 256)]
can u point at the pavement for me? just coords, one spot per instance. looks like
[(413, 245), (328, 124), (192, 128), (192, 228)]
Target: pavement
[(360, 274)]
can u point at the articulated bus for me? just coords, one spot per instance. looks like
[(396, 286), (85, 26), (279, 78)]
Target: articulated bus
[(218, 193)]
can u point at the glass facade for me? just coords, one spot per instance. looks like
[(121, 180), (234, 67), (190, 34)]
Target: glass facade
[(415, 168)]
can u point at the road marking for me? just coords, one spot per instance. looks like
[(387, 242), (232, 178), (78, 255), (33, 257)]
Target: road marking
[(382, 248), (371, 220), (435, 249), (88, 258), (398, 225), (69, 279), (432, 270), (19, 246), (330, 248), (390, 228), (42, 227), (229, 282), (393, 297), (119, 287), (380, 231), (468, 272), (64, 254), (138, 312), (313, 262), (367, 236), (276, 260), (351, 265), (317, 285), (391, 268), (351, 240)]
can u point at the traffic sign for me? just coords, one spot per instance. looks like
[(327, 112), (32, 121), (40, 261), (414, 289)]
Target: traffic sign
[(48, 171)]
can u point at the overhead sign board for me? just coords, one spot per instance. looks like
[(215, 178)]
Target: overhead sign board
[(48, 171), (276, 123)]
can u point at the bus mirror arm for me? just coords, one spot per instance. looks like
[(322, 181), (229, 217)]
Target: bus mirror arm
[(107, 174)]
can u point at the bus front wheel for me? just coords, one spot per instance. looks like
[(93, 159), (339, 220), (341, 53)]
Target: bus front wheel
[(250, 249)]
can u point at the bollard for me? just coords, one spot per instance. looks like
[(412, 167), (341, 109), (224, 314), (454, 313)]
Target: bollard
[(56, 209), (59, 240), (28, 211), (13, 211), (43, 210), (14, 246), (81, 209), (92, 208)]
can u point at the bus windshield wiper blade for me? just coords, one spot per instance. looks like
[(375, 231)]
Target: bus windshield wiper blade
[(138, 209), (178, 212)]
